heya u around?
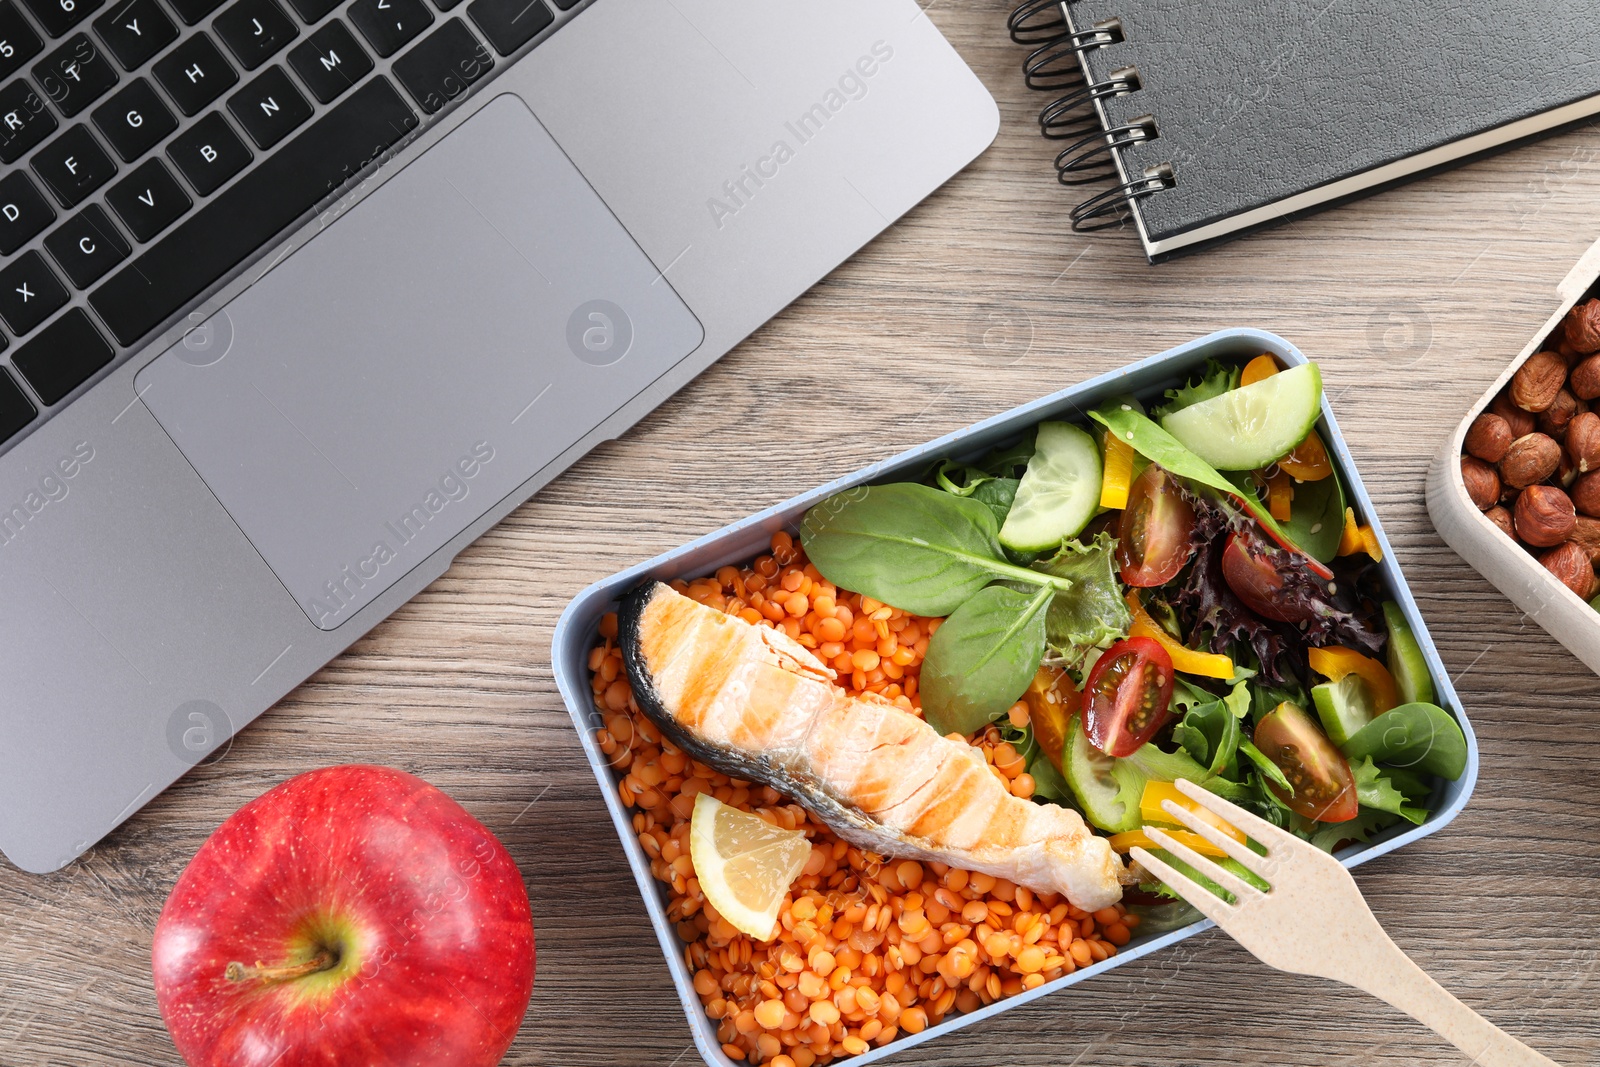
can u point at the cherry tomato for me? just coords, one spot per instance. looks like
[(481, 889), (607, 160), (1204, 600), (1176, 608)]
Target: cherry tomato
[(1254, 580), (1128, 696), (1155, 535), (1324, 788), (1052, 702), (1309, 461)]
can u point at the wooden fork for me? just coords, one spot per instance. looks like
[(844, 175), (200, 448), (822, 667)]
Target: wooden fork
[(1313, 920)]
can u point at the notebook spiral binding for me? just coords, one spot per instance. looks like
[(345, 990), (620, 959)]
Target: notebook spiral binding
[(1054, 64)]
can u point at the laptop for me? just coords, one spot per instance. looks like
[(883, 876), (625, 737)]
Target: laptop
[(300, 297)]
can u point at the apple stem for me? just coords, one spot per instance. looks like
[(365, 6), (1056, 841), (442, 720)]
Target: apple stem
[(238, 972)]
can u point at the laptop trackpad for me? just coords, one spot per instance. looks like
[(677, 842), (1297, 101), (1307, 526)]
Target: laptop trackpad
[(434, 348)]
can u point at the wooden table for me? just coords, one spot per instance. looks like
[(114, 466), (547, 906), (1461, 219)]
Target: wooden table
[(1413, 301)]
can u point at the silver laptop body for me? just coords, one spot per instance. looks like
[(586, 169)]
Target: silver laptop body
[(243, 493)]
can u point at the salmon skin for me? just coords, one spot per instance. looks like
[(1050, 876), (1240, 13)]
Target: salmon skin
[(757, 705)]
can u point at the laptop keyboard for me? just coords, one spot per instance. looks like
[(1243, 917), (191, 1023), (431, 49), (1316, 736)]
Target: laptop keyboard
[(151, 146)]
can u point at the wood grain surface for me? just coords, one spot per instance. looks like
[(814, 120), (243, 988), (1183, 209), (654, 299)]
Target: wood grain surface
[(981, 299)]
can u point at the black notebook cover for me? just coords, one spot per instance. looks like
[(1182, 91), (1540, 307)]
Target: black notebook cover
[(1256, 101)]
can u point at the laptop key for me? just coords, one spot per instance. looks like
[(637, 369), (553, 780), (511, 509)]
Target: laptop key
[(86, 246), (313, 11), (192, 11), (194, 74), (254, 30), (443, 65), (329, 61), (73, 165), (148, 200), (59, 16), (18, 42), (23, 212), (16, 410), (25, 120), (134, 120), (135, 30), (29, 293), (509, 24), (75, 75), (63, 356), (269, 108), (389, 24), (209, 153), (284, 186)]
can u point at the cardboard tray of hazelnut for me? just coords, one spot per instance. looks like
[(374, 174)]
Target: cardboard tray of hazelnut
[(1516, 488)]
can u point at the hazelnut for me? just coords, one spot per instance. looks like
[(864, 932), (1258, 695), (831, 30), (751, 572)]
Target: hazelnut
[(1586, 494), (1483, 484), (1555, 419), (1545, 516), (1570, 563), (1567, 473), (1583, 441), (1568, 353), (1531, 458), (1586, 535), (1536, 383), (1520, 421), (1502, 518), (1582, 327), (1489, 436), (1586, 378)]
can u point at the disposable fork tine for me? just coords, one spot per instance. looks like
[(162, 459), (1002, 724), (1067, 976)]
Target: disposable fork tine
[(1313, 920), (1242, 890), (1253, 825), (1250, 860), (1199, 897)]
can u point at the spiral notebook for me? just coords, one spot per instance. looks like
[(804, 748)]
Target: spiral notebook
[(1204, 118)]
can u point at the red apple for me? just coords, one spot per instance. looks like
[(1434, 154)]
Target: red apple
[(351, 917)]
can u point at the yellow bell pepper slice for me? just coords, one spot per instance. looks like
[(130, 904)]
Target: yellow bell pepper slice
[(1358, 538), (1131, 839), (1184, 659), (1336, 661), (1280, 493), (1152, 811), (1117, 474), (1263, 366)]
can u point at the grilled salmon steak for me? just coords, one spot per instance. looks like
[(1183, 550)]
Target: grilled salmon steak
[(757, 705)]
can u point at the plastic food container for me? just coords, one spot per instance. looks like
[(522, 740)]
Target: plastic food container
[(1506, 564), (575, 635)]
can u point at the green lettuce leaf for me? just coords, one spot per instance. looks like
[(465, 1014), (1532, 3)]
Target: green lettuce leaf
[(1092, 610), (1374, 790), (1217, 379), (1329, 836)]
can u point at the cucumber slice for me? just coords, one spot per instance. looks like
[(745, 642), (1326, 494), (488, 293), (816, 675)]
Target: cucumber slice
[(1108, 789), (1059, 492), (1406, 662), (1344, 707), (1249, 427)]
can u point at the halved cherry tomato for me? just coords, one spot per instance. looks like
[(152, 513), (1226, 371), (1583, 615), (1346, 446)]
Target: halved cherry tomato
[(1155, 536), (1254, 580), (1336, 661), (1263, 366), (1129, 694), (1324, 788)]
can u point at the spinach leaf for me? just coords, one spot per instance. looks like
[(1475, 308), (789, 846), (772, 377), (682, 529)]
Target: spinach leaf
[(1093, 609), (1418, 737), (1012, 461), (910, 546), (1359, 830), (1150, 440), (1217, 379), (1316, 517), (958, 479), (980, 661), (998, 493), (1376, 791)]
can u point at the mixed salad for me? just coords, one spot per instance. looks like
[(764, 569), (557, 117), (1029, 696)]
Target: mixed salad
[(1179, 592)]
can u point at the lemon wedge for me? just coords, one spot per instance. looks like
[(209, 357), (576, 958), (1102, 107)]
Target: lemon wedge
[(744, 863)]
